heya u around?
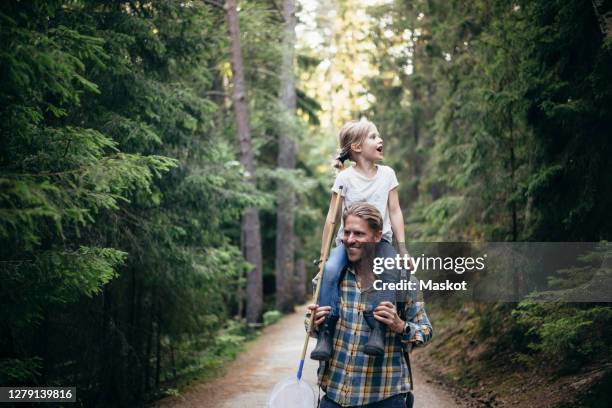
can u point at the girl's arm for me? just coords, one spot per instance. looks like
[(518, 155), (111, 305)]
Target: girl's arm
[(397, 221), (328, 228)]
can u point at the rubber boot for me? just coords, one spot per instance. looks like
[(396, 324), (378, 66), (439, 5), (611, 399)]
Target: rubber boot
[(325, 339), (376, 341)]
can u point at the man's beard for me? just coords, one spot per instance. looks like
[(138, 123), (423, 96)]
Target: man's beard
[(366, 261)]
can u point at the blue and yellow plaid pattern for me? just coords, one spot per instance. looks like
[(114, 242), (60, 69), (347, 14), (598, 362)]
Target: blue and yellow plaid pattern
[(352, 378)]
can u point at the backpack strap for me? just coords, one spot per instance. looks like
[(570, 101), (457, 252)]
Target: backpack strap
[(401, 311)]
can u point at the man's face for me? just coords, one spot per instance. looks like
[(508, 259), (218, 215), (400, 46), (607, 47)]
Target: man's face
[(358, 236)]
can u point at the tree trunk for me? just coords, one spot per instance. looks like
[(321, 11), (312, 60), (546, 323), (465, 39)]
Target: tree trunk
[(251, 235), (158, 346), (147, 361), (138, 369), (513, 187), (300, 290), (285, 250)]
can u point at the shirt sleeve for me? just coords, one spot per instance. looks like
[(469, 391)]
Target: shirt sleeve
[(340, 182), (418, 329), (392, 179)]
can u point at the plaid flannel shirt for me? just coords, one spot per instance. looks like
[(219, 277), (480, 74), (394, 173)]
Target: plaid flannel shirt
[(352, 378)]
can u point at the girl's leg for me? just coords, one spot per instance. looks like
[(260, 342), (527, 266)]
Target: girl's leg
[(329, 294), (384, 250), (376, 341)]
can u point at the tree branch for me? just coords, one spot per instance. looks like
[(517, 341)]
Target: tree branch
[(214, 3)]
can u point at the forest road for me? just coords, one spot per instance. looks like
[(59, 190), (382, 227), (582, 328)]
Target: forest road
[(272, 357)]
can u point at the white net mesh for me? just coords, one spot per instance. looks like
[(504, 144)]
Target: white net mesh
[(291, 393)]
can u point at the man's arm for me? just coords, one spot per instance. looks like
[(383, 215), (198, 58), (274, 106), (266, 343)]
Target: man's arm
[(418, 329)]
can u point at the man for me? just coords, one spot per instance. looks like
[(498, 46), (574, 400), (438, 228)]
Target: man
[(352, 378)]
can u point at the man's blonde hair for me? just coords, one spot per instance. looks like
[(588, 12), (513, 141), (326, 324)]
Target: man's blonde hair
[(353, 132), (366, 212)]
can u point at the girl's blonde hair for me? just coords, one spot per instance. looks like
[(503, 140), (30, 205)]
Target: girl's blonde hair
[(353, 132)]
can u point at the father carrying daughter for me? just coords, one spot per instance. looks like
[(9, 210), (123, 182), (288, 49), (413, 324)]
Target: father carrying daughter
[(375, 184)]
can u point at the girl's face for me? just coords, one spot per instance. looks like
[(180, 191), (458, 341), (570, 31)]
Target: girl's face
[(371, 148)]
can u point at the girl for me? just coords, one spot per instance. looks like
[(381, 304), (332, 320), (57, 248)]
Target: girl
[(376, 184)]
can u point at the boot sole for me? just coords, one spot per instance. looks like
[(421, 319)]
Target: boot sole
[(320, 357)]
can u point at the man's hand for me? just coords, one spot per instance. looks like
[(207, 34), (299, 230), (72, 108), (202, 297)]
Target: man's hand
[(319, 313), (386, 313)]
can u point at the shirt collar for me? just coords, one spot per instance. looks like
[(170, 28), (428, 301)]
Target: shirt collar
[(350, 268)]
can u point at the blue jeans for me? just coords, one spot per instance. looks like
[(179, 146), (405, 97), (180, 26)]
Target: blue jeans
[(396, 401), (329, 294)]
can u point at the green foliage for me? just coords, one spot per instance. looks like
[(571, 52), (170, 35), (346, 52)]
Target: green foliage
[(496, 116), (271, 317), (566, 334), (199, 363), (120, 191), (121, 195), (16, 371), (500, 110)]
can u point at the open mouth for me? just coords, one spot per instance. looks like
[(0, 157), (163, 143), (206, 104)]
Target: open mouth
[(379, 148)]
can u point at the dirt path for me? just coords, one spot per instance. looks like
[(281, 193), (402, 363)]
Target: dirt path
[(272, 357)]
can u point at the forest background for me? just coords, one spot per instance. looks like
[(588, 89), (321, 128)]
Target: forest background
[(126, 187)]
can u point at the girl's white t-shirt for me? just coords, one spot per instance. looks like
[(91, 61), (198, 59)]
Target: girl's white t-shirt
[(357, 188)]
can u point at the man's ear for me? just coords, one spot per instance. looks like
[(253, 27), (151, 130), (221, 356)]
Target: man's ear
[(378, 236)]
